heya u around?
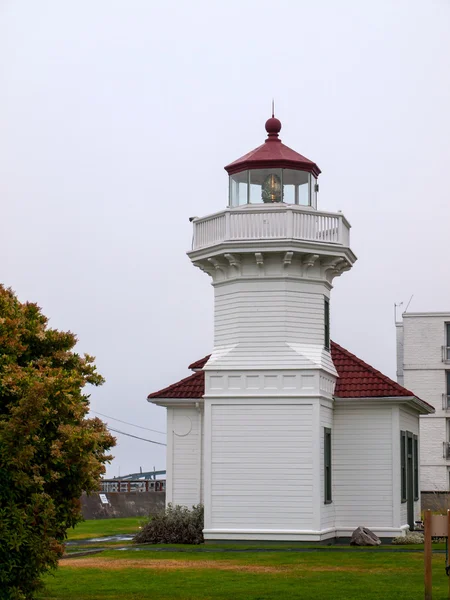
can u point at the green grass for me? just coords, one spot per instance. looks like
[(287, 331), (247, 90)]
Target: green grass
[(104, 527), (322, 575)]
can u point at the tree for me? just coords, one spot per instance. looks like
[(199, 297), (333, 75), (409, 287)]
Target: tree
[(49, 451)]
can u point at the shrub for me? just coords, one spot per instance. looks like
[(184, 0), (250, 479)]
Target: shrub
[(49, 451), (175, 525), (411, 538)]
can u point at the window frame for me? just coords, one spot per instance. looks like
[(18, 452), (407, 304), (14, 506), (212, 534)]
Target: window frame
[(447, 343), (403, 483), (416, 467), (327, 466), (326, 316)]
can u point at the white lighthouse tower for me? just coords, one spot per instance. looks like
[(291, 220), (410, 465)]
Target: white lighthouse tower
[(269, 383)]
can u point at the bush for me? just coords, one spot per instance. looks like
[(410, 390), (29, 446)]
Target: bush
[(411, 538), (175, 525), (49, 451)]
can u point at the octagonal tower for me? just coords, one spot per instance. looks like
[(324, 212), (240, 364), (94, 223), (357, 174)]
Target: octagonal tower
[(272, 256)]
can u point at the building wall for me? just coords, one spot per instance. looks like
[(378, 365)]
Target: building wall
[(261, 466), (399, 346), (287, 316), (424, 374), (184, 456), (363, 466)]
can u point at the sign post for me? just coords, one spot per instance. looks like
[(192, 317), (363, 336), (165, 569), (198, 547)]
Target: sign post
[(435, 526), (427, 554)]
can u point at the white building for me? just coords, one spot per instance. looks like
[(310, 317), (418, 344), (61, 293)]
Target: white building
[(282, 434), (423, 364)]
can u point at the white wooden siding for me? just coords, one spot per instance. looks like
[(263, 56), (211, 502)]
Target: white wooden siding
[(362, 466), (253, 316), (261, 466), (327, 515), (186, 457)]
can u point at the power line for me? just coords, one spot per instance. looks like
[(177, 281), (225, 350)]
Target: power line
[(136, 437), (126, 423)]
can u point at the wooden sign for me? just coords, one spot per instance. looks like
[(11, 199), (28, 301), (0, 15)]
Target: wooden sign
[(434, 526)]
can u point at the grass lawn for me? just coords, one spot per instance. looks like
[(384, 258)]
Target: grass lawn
[(314, 575), (102, 527)]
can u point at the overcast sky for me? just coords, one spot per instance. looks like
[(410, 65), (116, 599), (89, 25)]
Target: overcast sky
[(116, 120)]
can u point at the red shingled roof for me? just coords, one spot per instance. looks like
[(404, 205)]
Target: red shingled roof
[(356, 379), (273, 154), (190, 387), (199, 364)]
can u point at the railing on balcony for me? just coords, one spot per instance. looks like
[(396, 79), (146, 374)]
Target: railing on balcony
[(269, 223), (445, 401), (446, 450), (446, 354), (109, 486)]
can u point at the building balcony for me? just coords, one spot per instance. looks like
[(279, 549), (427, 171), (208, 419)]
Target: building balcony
[(446, 453), (446, 354), (252, 223)]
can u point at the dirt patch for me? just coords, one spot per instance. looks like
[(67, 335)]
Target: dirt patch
[(108, 564), (165, 565)]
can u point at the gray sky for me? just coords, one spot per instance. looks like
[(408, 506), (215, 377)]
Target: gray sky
[(116, 119)]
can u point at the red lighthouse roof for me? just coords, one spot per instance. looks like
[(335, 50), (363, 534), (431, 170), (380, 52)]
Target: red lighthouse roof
[(273, 154)]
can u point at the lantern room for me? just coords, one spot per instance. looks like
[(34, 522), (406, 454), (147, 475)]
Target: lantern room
[(273, 174)]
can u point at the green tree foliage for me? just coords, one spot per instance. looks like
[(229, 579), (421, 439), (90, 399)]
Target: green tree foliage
[(49, 451)]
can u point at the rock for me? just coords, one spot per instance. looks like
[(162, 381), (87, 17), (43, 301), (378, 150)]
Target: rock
[(364, 537)]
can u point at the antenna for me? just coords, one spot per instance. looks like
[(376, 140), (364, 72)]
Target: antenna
[(273, 108), (412, 296)]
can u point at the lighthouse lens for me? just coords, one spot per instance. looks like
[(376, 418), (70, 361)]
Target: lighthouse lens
[(271, 189)]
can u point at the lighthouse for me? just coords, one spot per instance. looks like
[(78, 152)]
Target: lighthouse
[(272, 256), (281, 433)]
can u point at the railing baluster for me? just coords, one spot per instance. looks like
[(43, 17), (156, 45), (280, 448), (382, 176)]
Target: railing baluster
[(270, 224)]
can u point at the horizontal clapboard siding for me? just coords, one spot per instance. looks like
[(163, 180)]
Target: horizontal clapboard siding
[(362, 466), (274, 314), (261, 466), (186, 460)]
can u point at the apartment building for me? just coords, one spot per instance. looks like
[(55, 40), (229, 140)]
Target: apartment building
[(423, 365)]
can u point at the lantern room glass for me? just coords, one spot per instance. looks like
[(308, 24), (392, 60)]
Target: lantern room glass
[(239, 188), (273, 186)]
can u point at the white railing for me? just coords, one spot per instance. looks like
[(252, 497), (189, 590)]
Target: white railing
[(274, 223), (446, 452), (446, 354), (110, 486), (445, 402)]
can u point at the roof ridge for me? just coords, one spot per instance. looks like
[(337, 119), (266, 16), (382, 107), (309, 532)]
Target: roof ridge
[(196, 364)]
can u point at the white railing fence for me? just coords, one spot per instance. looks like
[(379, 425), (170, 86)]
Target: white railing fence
[(232, 225), (446, 354)]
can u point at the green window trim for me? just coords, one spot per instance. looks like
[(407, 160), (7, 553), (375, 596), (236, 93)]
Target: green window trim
[(403, 464), (326, 324), (416, 466), (328, 499)]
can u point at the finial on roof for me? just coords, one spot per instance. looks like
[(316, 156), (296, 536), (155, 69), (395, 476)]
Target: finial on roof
[(273, 126)]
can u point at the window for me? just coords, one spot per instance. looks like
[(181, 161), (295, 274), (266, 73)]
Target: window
[(447, 386), (327, 466), (447, 342), (327, 324), (416, 467), (403, 463)]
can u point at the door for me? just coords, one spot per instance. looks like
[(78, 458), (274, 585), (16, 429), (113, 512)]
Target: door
[(410, 479)]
